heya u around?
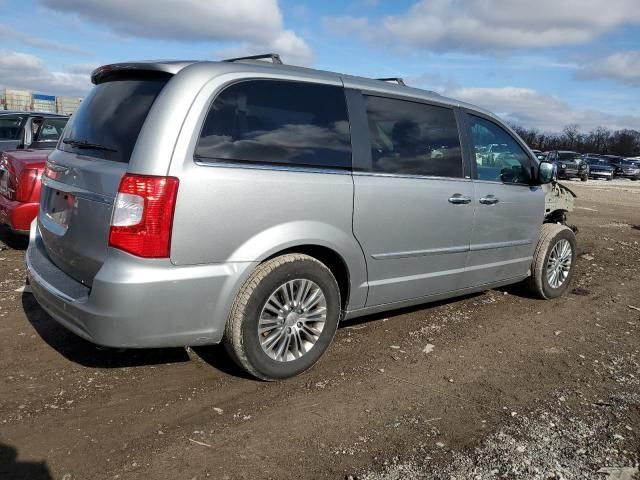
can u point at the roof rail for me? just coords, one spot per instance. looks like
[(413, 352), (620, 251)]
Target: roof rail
[(274, 57), (397, 80)]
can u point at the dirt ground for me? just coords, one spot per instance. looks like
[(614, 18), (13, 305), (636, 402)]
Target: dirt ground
[(495, 385)]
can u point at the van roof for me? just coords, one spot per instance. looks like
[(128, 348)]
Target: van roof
[(250, 65)]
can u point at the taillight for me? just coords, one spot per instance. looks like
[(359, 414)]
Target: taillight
[(7, 182), (26, 184), (143, 215)]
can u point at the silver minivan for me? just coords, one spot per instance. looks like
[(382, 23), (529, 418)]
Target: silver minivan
[(258, 204)]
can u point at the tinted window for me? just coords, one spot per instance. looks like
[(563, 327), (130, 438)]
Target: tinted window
[(568, 156), (498, 156), (10, 127), (413, 138), (112, 116), (50, 129), (278, 122)]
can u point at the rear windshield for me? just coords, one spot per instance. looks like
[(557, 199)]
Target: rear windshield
[(110, 118)]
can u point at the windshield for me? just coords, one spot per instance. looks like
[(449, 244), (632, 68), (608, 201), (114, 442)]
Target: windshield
[(49, 129), (597, 161), (111, 118), (568, 156)]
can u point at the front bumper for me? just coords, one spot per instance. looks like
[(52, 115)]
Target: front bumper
[(601, 174), (137, 303), (17, 216), (633, 176), (570, 172)]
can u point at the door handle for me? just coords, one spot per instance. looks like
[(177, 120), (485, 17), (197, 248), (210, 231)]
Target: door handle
[(489, 200), (458, 199)]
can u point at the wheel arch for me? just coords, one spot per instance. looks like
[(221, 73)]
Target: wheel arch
[(331, 258), (334, 246)]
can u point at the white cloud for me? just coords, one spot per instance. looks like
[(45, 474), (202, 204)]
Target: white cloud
[(82, 68), (529, 108), (26, 71), (10, 34), (476, 25), (255, 23), (291, 48), (623, 67)]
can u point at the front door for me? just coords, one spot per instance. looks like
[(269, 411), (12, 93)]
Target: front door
[(508, 210), (413, 208)]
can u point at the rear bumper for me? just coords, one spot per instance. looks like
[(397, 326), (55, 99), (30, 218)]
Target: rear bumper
[(17, 216), (134, 303)]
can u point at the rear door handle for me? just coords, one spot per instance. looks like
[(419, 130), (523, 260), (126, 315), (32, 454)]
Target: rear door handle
[(489, 200), (458, 199)]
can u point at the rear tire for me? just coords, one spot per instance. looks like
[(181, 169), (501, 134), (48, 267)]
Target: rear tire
[(272, 333), (553, 261)]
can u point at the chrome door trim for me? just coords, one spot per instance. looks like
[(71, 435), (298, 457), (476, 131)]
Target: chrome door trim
[(406, 175), (491, 246), (420, 253), (267, 166)]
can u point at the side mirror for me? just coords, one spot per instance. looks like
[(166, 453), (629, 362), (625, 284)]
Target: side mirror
[(546, 172)]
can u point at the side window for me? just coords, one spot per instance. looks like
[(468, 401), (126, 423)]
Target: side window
[(498, 156), (50, 129), (10, 127), (279, 122), (413, 138)]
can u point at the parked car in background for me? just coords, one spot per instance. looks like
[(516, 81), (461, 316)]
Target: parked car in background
[(539, 154), (599, 168), (20, 174), (259, 204), (21, 130), (569, 164), (624, 168)]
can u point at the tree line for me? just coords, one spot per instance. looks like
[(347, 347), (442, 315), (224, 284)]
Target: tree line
[(601, 140)]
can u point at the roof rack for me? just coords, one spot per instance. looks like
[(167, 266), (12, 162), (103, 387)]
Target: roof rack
[(274, 57), (397, 80)]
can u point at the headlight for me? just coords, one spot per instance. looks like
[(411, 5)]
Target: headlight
[(562, 165)]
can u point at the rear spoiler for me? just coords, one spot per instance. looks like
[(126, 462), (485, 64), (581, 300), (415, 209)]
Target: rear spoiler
[(137, 70)]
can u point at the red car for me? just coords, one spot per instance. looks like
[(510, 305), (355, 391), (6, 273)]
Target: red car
[(20, 174)]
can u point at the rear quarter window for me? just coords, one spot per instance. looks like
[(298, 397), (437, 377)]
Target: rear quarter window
[(10, 127), (277, 122)]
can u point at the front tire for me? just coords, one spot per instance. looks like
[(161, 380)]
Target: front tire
[(553, 261), (584, 178), (284, 317)]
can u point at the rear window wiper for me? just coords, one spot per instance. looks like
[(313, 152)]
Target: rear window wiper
[(84, 144)]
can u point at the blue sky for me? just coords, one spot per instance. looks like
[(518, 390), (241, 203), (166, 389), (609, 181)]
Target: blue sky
[(542, 64)]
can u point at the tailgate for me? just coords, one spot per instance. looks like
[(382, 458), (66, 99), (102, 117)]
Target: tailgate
[(82, 175), (75, 212)]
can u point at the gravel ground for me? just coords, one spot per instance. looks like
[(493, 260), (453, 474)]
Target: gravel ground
[(494, 385)]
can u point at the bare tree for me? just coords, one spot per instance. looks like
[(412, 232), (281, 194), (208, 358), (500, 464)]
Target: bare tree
[(600, 140), (572, 134)]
